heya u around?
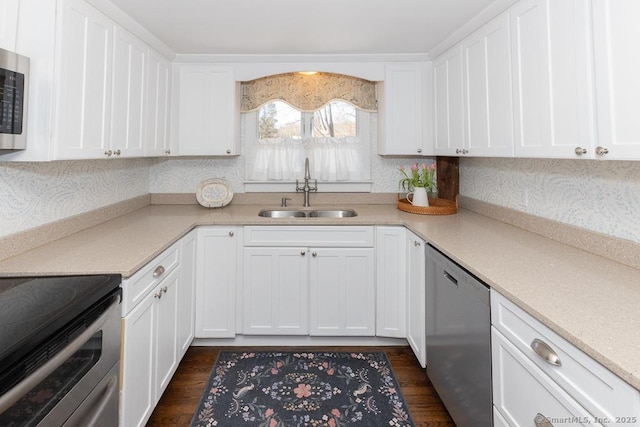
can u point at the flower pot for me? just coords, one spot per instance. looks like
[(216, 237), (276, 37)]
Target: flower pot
[(419, 197)]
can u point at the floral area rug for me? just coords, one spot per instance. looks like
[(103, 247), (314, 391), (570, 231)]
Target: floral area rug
[(278, 389)]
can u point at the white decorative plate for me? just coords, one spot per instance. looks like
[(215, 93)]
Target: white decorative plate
[(214, 193)]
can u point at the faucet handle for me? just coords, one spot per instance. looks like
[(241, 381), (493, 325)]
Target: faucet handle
[(283, 203)]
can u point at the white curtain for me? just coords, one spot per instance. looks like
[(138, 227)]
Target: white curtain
[(330, 159)]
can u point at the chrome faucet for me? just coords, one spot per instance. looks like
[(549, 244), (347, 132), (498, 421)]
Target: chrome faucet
[(306, 187)]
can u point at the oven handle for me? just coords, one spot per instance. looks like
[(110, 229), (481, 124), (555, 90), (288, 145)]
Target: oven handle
[(112, 386), (13, 395)]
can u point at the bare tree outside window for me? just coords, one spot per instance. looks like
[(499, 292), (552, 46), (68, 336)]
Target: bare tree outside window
[(336, 119)]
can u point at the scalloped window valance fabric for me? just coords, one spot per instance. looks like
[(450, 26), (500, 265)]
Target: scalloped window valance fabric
[(308, 92)]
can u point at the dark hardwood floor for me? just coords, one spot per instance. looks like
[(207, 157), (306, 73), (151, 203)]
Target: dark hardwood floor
[(181, 398)]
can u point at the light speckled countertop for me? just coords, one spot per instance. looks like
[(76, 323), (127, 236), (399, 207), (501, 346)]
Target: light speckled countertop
[(589, 300)]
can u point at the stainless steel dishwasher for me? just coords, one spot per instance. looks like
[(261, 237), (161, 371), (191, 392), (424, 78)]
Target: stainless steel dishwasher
[(458, 340)]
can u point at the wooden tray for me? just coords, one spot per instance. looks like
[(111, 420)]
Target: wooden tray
[(436, 207)]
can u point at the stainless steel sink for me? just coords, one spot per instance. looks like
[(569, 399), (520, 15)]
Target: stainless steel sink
[(333, 213), (278, 213), (316, 213)]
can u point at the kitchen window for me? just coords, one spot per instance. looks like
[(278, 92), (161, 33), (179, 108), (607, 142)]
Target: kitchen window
[(334, 136)]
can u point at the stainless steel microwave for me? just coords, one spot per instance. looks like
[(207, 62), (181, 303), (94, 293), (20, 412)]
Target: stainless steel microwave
[(14, 91)]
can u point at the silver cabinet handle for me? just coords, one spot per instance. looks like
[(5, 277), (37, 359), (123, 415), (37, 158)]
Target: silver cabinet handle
[(167, 152), (543, 350), (159, 271), (419, 150), (108, 153), (457, 151), (228, 151), (416, 243), (465, 151), (541, 421), (164, 289), (601, 151), (117, 152), (303, 253), (580, 151), (314, 254), (231, 234), (158, 295)]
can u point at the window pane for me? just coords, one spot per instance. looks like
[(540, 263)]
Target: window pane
[(336, 119), (279, 120)]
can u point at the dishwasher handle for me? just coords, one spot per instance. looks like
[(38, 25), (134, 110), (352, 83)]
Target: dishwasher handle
[(449, 277)]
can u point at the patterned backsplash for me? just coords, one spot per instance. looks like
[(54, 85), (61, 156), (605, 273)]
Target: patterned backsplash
[(602, 196)]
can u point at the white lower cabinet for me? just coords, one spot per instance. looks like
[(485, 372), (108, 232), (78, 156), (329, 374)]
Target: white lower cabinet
[(157, 328), (216, 278), (538, 375), (342, 292), (308, 281), (416, 301), (276, 291), (150, 351), (522, 393), (186, 296), (391, 282)]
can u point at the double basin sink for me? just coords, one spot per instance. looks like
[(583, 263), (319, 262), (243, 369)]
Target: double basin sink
[(314, 213)]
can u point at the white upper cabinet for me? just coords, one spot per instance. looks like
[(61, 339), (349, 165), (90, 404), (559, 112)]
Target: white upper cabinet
[(158, 96), (552, 83), (8, 23), (84, 98), (128, 104), (401, 110), (448, 101), (472, 95), (93, 91), (616, 35), (488, 124), (208, 117)]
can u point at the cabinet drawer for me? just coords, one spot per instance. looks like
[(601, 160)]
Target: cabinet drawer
[(593, 386), (309, 236), (136, 287), (523, 394)]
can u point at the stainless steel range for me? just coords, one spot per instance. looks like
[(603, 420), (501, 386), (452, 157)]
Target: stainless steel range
[(59, 351)]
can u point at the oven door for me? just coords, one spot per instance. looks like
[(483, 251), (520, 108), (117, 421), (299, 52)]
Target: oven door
[(86, 370)]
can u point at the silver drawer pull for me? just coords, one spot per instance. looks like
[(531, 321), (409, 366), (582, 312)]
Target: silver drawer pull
[(541, 421), (543, 350), (159, 271)]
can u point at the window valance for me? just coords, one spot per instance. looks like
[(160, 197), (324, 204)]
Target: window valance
[(308, 92)]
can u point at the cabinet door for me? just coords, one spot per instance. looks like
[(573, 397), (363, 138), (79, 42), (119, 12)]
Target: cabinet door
[(616, 34), (8, 23), (416, 319), (552, 78), (275, 291), (391, 282), (512, 374), (186, 292), (208, 114), (401, 111), (216, 282), (448, 102), (158, 95), (84, 92), (487, 90), (342, 292), (166, 356), (129, 92), (137, 398)]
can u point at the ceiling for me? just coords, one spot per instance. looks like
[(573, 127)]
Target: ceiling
[(295, 27)]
